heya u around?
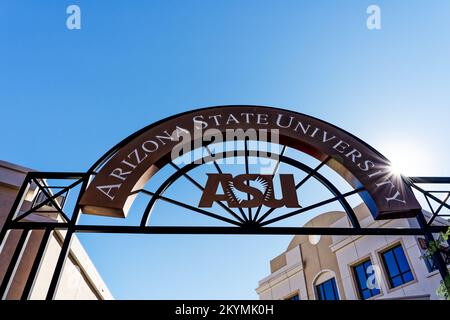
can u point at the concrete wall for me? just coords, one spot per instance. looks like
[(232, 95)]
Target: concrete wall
[(79, 280)]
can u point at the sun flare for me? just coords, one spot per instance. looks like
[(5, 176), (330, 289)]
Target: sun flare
[(407, 158)]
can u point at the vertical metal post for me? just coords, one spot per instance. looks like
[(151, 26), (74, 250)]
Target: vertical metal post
[(36, 265), (51, 293), (438, 260), (14, 263), (59, 265)]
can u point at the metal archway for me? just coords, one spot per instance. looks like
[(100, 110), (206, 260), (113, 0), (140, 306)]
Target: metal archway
[(243, 224)]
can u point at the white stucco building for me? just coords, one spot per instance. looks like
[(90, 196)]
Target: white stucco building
[(344, 267)]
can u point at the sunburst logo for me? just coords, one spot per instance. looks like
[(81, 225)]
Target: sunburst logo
[(249, 191), (234, 194)]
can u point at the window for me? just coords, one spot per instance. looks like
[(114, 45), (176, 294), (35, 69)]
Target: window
[(293, 297), (397, 267), (364, 274), (429, 261), (327, 290), (431, 265)]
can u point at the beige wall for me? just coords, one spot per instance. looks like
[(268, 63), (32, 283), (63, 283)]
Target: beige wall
[(303, 264), (351, 250), (79, 280), (313, 264), (74, 283)]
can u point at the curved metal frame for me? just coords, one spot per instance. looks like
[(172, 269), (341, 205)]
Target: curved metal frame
[(257, 225), (240, 228), (311, 173), (102, 160)]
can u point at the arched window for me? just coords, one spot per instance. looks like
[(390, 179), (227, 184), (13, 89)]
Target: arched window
[(325, 287)]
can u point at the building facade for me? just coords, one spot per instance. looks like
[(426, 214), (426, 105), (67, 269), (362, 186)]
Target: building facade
[(79, 280), (352, 267)]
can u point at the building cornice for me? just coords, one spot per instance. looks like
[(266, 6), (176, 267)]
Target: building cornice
[(281, 275)]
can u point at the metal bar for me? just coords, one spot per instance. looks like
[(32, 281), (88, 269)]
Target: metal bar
[(214, 161), (52, 200), (57, 175), (51, 293), (220, 172), (162, 188), (14, 210), (429, 195), (314, 206), (54, 187), (312, 173), (198, 185), (436, 213), (186, 206), (429, 204), (428, 233), (38, 225), (247, 172), (56, 195), (275, 169), (248, 230), (442, 203), (47, 189), (36, 265), (198, 210), (429, 180), (298, 185), (14, 264)]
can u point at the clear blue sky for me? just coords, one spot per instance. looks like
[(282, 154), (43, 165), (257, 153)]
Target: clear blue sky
[(68, 96)]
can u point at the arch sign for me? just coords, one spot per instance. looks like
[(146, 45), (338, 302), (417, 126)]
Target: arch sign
[(129, 165)]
